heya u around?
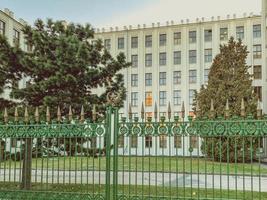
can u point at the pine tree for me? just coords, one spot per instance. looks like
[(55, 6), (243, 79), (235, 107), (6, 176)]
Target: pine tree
[(64, 67), (230, 80)]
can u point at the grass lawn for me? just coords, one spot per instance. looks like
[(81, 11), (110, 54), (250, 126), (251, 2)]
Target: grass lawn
[(145, 163), (60, 191)]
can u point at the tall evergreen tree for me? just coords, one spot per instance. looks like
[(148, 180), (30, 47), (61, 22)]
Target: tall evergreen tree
[(230, 80), (64, 66)]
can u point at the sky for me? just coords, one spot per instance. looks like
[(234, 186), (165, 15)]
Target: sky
[(107, 13)]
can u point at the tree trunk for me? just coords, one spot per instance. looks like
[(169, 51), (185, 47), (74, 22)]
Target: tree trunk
[(27, 165)]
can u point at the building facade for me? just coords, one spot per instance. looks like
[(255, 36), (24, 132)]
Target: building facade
[(11, 28), (170, 61)]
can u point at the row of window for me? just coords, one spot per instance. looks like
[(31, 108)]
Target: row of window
[(192, 56), (177, 77), (177, 98), (177, 141), (16, 33), (192, 36)]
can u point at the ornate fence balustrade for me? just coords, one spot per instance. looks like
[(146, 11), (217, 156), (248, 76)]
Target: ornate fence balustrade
[(173, 158)]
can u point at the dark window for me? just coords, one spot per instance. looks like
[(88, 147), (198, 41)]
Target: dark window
[(257, 72), (148, 41), (16, 37), (192, 56), (208, 35), (120, 43), (208, 55), (177, 57), (134, 80), (134, 60), (134, 42), (257, 31), (162, 78), (107, 44), (223, 34), (192, 76), (258, 92), (177, 77), (192, 36), (162, 39), (162, 59), (177, 38), (148, 79), (257, 51), (240, 32), (148, 61), (2, 27)]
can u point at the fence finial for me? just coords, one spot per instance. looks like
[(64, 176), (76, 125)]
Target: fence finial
[(16, 114), (82, 114), (70, 113), (48, 114), (197, 109), (58, 114), (169, 111), (243, 113), (5, 116), (36, 114), (156, 111), (142, 111), (94, 112), (183, 110), (212, 111), (227, 110), (130, 113), (26, 115), (259, 110)]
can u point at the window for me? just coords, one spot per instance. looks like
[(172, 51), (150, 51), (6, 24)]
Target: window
[(13, 142), (206, 75), (192, 36), (177, 57), (191, 96), (148, 61), (121, 141), (240, 32), (177, 97), (162, 39), (177, 38), (257, 71), (107, 44), (134, 98), (16, 37), (177, 77), (162, 78), (258, 92), (163, 141), (192, 56), (148, 100), (148, 141), (162, 59), (208, 35), (134, 60), (208, 55), (133, 141), (148, 41), (2, 27), (257, 51), (223, 34), (193, 142), (134, 42), (192, 76), (120, 43), (257, 31), (162, 98), (177, 141), (134, 80), (148, 79)]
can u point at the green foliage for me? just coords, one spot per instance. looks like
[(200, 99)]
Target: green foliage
[(64, 66), (228, 79)]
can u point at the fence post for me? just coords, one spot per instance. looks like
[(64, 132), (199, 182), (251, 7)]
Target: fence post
[(107, 137), (115, 153)]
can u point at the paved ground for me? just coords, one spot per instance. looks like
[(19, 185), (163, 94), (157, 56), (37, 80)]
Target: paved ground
[(248, 183)]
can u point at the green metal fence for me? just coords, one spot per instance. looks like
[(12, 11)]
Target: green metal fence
[(119, 158)]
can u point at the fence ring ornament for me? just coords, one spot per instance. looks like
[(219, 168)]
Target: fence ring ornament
[(219, 129), (136, 130), (235, 128), (250, 128), (100, 130), (176, 130), (123, 130), (264, 128), (163, 129), (113, 98), (149, 130)]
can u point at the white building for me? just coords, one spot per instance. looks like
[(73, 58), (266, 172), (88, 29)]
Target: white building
[(12, 29), (170, 61)]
